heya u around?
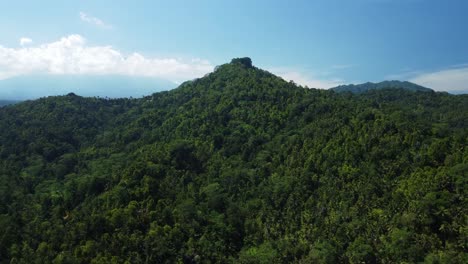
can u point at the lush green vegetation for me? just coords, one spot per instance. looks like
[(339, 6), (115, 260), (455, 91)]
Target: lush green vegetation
[(237, 167)]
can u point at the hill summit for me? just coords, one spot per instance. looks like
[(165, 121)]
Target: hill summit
[(246, 61)]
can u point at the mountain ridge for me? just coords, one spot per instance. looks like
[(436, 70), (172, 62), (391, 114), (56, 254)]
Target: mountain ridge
[(33, 87), (394, 84)]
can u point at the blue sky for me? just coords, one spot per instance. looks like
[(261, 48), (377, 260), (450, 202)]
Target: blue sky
[(316, 43)]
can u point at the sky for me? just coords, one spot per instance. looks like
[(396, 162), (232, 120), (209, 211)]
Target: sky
[(320, 44)]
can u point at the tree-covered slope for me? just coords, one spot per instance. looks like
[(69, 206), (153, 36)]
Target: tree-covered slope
[(364, 87), (236, 167)]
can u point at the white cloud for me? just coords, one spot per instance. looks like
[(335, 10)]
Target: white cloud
[(71, 55), (303, 79), (94, 20), (444, 80), (25, 41)]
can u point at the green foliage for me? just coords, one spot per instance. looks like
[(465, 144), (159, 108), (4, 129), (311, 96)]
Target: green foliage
[(236, 167)]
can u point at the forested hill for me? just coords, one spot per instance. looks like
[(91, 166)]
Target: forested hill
[(239, 166), (364, 87)]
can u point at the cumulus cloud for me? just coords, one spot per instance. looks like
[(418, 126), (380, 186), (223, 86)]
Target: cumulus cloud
[(24, 41), (71, 55), (94, 20), (444, 80), (306, 80)]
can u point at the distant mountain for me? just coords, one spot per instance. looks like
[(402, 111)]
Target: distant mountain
[(7, 102), (114, 86), (360, 88), (458, 91)]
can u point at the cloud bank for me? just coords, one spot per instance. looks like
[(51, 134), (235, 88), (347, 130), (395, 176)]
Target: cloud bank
[(71, 55), (444, 80)]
